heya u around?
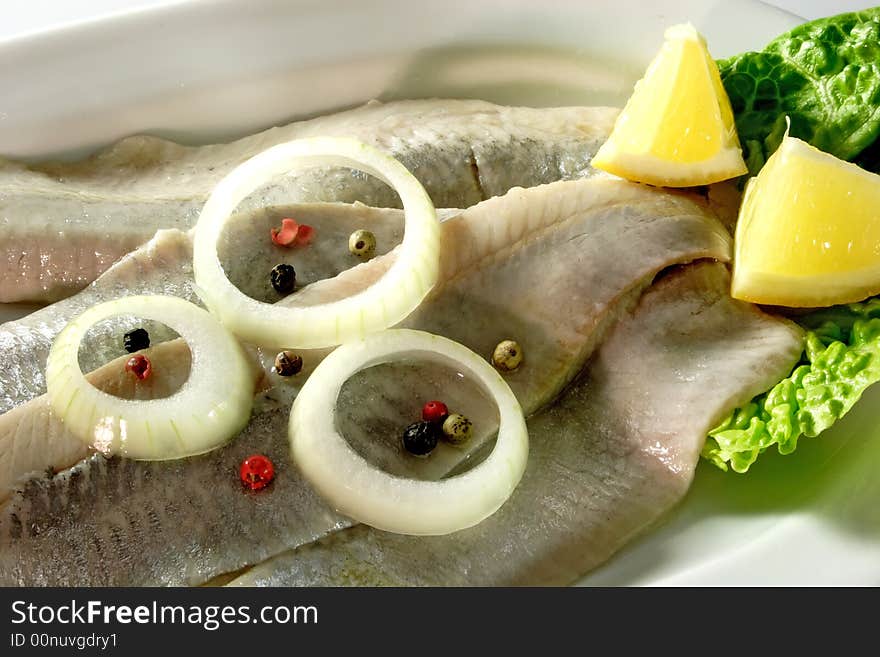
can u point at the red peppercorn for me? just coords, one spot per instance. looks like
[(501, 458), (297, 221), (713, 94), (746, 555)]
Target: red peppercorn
[(140, 366), (434, 411), (257, 472), (305, 234), (292, 233), (286, 235)]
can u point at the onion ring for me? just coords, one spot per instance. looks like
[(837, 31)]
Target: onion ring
[(383, 304), (209, 408), (396, 504)]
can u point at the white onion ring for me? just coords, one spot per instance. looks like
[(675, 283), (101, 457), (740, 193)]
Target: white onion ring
[(209, 408), (381, 305), (396, 504)]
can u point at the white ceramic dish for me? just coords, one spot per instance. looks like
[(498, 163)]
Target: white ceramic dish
[(199, 71)]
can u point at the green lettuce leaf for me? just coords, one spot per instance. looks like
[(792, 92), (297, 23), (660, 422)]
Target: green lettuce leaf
[(841, 359), (824, 75)]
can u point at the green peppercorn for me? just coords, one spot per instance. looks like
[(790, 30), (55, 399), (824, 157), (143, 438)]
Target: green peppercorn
[(288, 363), (283, 278), (508, 355), (362, 243), (457, 428)]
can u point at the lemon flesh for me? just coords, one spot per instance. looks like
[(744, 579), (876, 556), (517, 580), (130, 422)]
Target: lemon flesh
[(677, 128), (808, 232)]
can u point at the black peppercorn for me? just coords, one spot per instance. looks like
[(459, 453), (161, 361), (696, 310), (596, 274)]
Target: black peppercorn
[(136, 340), (283, 278), (420, 438)]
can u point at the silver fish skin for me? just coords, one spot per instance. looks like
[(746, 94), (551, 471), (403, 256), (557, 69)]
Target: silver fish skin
[(188, 521), (62, 224), (612, 457)]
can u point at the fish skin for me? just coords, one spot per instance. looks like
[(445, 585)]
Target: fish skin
[(610, 458), (202, 524), (62, 224)]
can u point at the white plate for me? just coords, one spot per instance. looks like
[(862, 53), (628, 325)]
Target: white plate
[(199, 71)]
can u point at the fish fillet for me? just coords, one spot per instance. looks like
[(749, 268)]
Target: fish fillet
[(33, 440), (164, 266), (61, 225), (489, 232), (550, 265), (614, 455)]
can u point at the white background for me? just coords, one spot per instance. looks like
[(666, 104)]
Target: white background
[(818, 8), (19, 17)]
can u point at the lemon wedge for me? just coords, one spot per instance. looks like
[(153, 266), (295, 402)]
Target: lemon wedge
[(808, 232), (677, 128)]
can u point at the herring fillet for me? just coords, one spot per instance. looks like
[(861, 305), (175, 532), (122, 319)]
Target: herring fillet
[(610, 458), (188, 521), (164, 266), (681, 229), (32, 439), (61, 225)]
